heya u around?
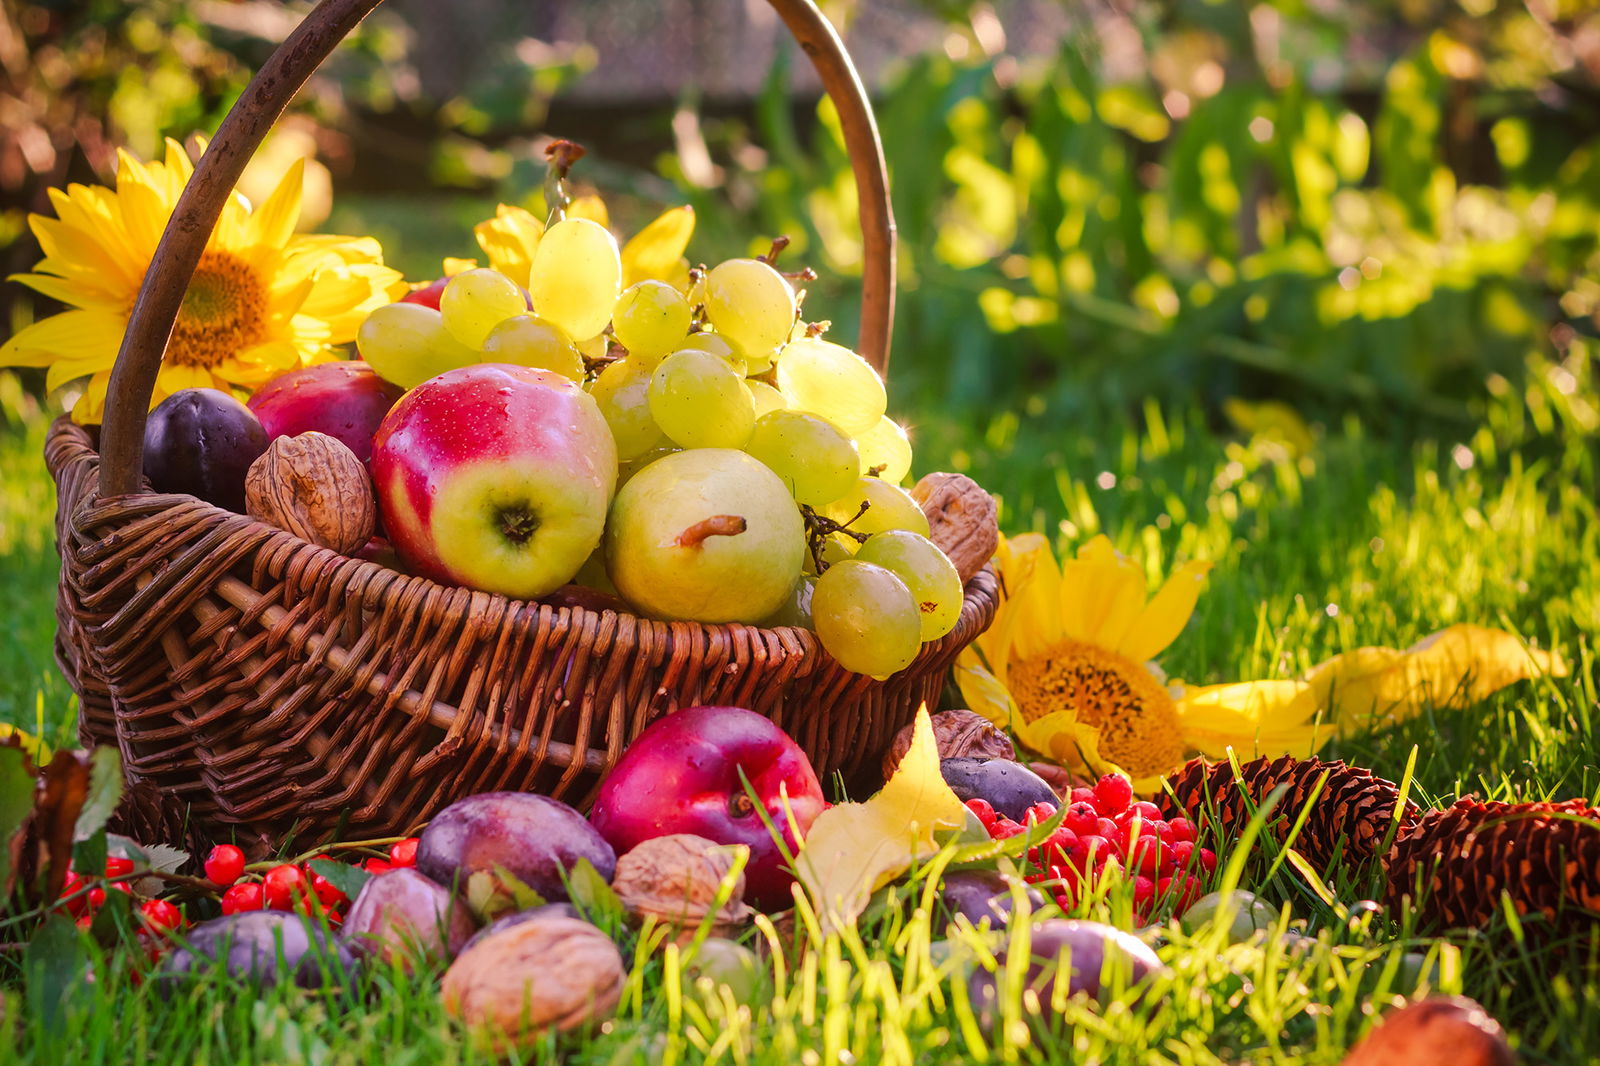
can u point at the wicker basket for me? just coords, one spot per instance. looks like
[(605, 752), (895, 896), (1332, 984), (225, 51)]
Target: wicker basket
[(259, 686)]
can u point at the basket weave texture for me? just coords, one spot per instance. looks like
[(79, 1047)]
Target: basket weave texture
[(259, 686)]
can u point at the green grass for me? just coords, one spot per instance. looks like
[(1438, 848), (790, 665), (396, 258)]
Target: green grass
[(1361, 540)]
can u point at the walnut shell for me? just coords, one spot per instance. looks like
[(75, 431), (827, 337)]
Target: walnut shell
[(313, 486), (962, 520), (958, 734), (546, 973), (674, 879)]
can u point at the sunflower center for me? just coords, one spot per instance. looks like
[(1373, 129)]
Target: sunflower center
[(1137, 719), (224, 311)]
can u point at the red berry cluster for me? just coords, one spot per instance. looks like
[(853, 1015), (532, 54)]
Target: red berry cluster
[(291, 887), (1104, 830), (83, 896)]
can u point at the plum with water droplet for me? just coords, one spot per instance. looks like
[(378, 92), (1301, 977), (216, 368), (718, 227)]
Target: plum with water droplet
[(402, 915), (1009, 787), (202, 442)]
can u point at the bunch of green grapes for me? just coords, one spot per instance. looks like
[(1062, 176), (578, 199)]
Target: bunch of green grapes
[(724, 362)]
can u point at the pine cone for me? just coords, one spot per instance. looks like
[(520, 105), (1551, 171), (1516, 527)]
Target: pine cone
[(1349, 822), (1462, 859)]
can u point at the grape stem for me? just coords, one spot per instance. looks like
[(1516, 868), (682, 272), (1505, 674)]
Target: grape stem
[(561, 154), (819, 528), (779, 243), (718, 525)]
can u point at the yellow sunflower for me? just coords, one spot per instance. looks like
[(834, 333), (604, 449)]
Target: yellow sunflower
[(511, 236), (263, 299), (1066, 667)]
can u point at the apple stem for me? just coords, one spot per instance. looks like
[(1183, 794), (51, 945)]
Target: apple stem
[(718, 525)]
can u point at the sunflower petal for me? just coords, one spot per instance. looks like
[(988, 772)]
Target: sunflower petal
[(273, 223), (1032, 589), (1101, 594), (1168, 611), (1253, 718), (655, 251), (590, 207), (985, 694), (74, 335), (1455, 667)]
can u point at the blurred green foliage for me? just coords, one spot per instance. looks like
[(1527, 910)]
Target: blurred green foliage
[(1230, 220)]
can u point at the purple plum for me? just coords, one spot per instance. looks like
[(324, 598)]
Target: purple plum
[(202, 442)]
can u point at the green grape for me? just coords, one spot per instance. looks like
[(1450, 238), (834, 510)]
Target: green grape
[(885, 447), (927, 572), (628, 469), (832, 381), (766, 398), (889, 507), (407, 344), (476, 301), (706, 341), (796, 610), (576, 276), (622, 392), (750, 304), (699, 401), (650, 319), (810, 454), (866, 618), (528, 340), (836, 547), (760, 364)]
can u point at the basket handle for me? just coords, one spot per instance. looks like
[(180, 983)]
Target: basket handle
[(133, 377)]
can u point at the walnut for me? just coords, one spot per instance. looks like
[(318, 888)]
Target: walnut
[(546, 973), (675, 880), (958, 734), (314, 487), (961, 520)]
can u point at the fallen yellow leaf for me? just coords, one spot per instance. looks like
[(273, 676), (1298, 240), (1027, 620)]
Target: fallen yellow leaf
[(1454, 667), (853, 849)]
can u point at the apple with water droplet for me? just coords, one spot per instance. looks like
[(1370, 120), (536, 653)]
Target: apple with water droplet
[(496, 477), (683, 775)]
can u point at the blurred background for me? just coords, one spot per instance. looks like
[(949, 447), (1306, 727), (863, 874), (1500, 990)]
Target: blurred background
[(1388, 208)]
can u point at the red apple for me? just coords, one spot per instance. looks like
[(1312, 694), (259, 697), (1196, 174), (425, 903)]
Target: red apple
[(682, 776), (426, 295), (346, 400), (496, 477)]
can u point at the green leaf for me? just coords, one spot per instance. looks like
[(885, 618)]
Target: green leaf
[(594, 896), (16, 804), (346, 878), (89, 856), (1309, 873), (113, 919), (105, 791), (491, 893), (57, 964)]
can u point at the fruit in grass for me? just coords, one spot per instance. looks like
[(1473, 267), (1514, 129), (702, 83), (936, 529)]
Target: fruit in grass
[(346, 400), (403, 916), (1097, 960), (1009, 787), (707, 535), (982, 895), (406, 343), (263, 947), (202, 442), (685, 774), (471, 844), (224, 865), (496, 477), (1248, 914), (866, 618)]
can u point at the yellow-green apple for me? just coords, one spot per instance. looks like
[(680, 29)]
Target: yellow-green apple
[(496, 477)]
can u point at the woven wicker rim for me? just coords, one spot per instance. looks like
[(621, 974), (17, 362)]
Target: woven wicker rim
[(177, 255)]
